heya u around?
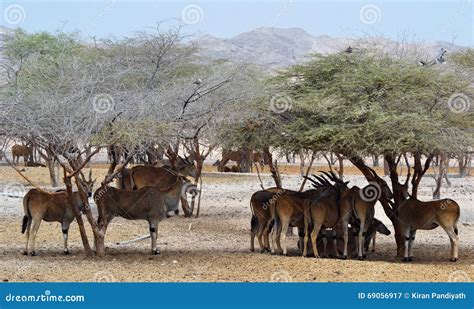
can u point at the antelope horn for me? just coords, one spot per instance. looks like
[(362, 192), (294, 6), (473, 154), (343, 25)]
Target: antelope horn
[(330, 176), (335, 176), (322, 180), (82, 176), (372, 171), (90, 173), (311, 180)]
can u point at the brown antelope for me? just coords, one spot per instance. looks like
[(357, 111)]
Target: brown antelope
[(124, 180), (238, 157), (261, 221), (50, 207), (324, 211), (354, 204), (168, 180), (147, 203), (417, 215), (21, 151), (287, 210)]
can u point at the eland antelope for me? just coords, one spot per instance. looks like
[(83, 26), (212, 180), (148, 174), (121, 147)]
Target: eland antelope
[(50, 207)]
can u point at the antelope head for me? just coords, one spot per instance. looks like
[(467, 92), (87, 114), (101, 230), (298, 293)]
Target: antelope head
[(87, 184), (185, 166)]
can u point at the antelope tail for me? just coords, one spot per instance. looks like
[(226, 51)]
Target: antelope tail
[(27, 216), (457, 219), (253, 224)]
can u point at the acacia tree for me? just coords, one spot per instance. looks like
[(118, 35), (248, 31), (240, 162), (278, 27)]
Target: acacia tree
[(368, 103), (73, 99), (365, 103)]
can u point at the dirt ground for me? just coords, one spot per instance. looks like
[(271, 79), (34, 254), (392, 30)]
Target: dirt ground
[(215, 246)]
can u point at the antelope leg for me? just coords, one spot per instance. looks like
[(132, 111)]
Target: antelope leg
[(314, 236), (325, 243), (260, 239), (345, 230), (361, 240), (154, 234), (407, 243), (334, 242), (36, 225), (28, 227), (284, 228), (412, 240), (65, 230)]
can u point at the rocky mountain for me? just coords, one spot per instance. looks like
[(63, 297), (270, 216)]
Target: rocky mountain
[(280, 47)]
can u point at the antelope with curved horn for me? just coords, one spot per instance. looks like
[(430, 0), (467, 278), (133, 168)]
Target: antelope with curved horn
[(354, 204), (294, 208)]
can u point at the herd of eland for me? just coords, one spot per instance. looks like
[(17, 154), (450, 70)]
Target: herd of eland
[(330, 217)]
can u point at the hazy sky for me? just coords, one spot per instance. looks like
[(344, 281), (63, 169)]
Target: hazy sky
[(425, 20)]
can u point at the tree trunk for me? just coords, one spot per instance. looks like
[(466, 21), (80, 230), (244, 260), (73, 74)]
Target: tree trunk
[(340, 171), (245, 164), (386, 168), (375, 159), (52, 173), (442, 173), (273, 167), (85, 241), (463, 164), (185, 205), (392, 213), (302, 162)]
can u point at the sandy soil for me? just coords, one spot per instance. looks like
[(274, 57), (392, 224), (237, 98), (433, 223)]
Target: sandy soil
[(215, 246)]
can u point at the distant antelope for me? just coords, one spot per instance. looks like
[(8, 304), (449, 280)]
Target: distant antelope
[(238, 157), (147, 203), (21, 151), (50, 207)]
